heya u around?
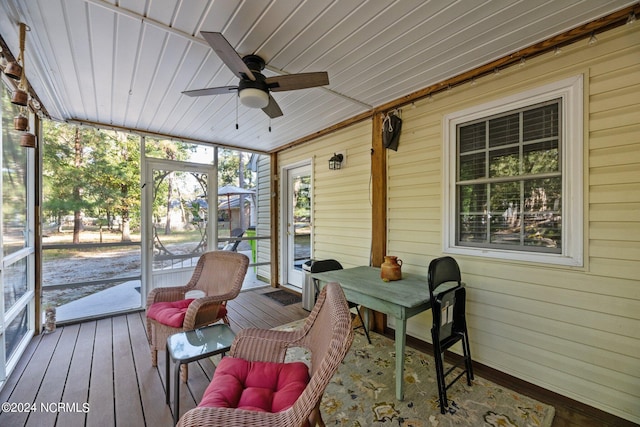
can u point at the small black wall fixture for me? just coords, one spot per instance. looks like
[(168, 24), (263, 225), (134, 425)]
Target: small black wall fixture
[(335, 162), (391, 126)]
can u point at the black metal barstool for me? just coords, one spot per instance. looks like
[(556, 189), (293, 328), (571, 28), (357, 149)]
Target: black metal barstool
[(449, 322), (321, 266)]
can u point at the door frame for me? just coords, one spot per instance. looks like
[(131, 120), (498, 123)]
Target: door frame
[(151, 164), (285, 208)]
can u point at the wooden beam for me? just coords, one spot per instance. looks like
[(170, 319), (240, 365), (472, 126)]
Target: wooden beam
[(344, 124)]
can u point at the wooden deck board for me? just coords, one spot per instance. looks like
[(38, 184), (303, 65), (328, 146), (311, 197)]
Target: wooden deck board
[(52, 386), (127, 392), (23, 363), (267, 309), (76, 389), (150, 382), (101, 406), (27, 387)]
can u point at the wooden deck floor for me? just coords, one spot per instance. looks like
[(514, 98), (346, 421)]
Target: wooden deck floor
[(99, 373)]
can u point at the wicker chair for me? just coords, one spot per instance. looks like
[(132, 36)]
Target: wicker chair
[(326, 333), (219, 274)]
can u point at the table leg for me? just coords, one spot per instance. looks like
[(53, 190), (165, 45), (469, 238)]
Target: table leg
[(176, 392), (401, 337), (366, 318)]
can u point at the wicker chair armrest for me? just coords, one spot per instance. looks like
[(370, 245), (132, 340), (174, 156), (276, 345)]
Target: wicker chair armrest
[(265, 345), (231, 417), (202, 311), (167, 294)]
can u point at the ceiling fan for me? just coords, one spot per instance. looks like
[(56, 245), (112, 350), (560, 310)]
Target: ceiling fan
[(254, 88)]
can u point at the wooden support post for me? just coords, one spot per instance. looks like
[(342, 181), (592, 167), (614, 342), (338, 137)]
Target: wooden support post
[(379, 196), (379, 205)]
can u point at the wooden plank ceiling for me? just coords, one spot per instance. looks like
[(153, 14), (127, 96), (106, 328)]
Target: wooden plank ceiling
[(124, 63)]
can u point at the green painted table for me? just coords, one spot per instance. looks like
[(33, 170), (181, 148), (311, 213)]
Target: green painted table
[(400, 299)]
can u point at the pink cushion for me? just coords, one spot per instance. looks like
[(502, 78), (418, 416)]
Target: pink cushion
[(172, 313), (169, 313), (256, 386)]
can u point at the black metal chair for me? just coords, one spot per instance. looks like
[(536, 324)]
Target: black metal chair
[(449, 322), (321, 266), (232, 245)]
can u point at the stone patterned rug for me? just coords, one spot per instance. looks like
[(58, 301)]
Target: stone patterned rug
[(362, 393)]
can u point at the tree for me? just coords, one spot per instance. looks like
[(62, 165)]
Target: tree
[(63, 174), (114, 182), (91, 171)]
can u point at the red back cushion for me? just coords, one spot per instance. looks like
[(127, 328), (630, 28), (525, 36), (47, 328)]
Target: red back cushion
[(257, 386)]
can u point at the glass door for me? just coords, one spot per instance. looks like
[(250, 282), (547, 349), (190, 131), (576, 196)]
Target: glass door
[(178, 229), (299, 224), (17, 239)]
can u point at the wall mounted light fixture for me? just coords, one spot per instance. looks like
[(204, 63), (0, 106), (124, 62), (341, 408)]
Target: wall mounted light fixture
[(335, 162)]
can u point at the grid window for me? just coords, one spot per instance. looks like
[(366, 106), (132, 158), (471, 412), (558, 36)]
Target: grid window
[(513, 182), (509, 180)]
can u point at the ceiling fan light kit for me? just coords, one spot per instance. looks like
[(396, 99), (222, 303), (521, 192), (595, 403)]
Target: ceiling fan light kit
[(254, 98)]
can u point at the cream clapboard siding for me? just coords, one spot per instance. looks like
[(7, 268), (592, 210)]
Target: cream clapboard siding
[(575, 331), (263, 219), (340, 198)]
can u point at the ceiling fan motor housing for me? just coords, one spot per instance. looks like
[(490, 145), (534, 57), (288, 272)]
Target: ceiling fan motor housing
[(255, 64)]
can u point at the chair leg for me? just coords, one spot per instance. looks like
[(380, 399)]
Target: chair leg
[(366, 331), (149, 330), (154, 357), (315, 419), (467, 358), (442, 384), (438, 356)]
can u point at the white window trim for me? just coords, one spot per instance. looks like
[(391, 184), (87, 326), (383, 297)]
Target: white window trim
[(570, 91)]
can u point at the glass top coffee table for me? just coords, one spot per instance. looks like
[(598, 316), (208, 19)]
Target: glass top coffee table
[(185, 347)]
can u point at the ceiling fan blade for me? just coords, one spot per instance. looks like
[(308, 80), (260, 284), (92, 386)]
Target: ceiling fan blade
[(228, 54), (211, 91), (272, 109), (297, 81)]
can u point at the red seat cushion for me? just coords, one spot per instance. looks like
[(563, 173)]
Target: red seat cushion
[(256, 386), (172, 313), (169, 313)]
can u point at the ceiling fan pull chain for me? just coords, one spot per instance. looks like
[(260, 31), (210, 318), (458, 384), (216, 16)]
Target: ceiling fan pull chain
[(269, 124), (237, 127)]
